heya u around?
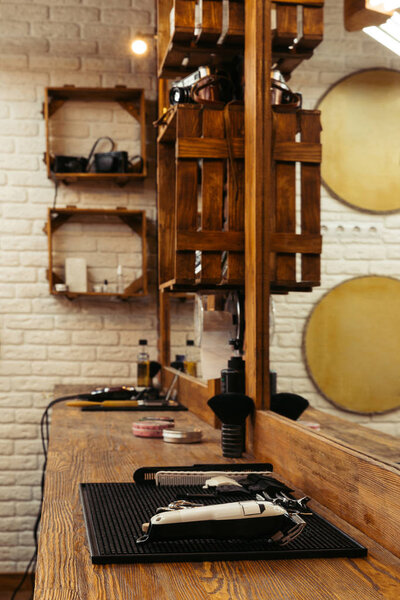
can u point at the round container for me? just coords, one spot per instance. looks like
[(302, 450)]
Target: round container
[(61, 287), (152, 429), (182, 435)]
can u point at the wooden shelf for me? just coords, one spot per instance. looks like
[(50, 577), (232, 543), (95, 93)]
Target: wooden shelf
[(132, 100), (183, 45), (202, 151), (120, 179), (135, 219)]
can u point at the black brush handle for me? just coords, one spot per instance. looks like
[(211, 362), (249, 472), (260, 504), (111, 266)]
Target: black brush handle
[(232, 440)]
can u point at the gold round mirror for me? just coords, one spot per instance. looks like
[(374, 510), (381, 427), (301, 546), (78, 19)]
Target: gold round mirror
[(352, 345), (361, 151)]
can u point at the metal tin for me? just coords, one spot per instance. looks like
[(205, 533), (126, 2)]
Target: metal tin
[(150, 428), (182, 435)]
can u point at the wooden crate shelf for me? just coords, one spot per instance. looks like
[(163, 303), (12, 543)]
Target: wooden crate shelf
[(201, 203), (135, 219), (131, 100), (298, 30), (184, 45), (295, 230)]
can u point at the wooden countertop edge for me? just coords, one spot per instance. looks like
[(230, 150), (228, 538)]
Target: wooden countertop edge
[(357, 488)]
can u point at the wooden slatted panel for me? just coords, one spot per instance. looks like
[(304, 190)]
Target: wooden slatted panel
[(235, 198), (313, 27), (211, 22), (212, 195), (188, 125), (285, 128), (310, 128), (235, 31), (166, 211), (183, 24), (286, 26)]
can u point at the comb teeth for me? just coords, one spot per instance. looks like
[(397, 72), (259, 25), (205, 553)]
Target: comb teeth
[(198, 477)]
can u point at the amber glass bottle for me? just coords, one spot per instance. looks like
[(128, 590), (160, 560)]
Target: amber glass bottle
[(143, 365)]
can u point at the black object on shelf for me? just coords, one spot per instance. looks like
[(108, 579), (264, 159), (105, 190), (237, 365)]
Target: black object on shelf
[(232, 410), (288, 405), (114, 513)]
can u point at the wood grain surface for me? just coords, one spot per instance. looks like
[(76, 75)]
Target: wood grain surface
[(360, 489), (99, 447)]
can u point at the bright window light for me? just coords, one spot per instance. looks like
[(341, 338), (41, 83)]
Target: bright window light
[(378, 34), (385, 5), (139, 46)]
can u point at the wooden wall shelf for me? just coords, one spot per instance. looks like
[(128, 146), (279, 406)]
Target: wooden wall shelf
[(206, 217), (295, 231), (183, 45), (131, 100), (135, 219)]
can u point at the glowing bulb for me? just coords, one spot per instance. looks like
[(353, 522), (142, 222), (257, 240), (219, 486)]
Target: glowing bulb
[(139, 46)]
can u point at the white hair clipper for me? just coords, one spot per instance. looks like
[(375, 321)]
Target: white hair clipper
[(245, 520)]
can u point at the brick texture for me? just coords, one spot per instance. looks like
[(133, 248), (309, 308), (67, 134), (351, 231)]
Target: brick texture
[(46, 340)]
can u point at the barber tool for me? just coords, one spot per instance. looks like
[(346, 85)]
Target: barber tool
[(232, 410), (105, 403), (109, 393), (288, 405), (243, 520)]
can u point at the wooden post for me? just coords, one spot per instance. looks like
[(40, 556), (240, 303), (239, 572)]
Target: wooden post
[(257, 196)]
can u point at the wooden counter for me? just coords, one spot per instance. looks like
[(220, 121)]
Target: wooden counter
[(99, 447)]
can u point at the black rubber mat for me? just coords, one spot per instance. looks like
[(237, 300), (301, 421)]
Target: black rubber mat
[(114, 513)]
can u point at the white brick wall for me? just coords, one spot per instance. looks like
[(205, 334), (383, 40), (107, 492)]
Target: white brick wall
[(354, 243), (47, 340)]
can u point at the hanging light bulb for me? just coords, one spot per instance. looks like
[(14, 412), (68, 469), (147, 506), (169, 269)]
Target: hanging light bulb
[(139, 46)]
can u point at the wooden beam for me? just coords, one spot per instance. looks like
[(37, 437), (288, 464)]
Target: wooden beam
[(257, 196), (358, 14), (362, 491), (210, 240), (196, 147)]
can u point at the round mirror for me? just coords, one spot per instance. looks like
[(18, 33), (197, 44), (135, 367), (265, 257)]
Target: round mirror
[(352, 345), (361, 151)]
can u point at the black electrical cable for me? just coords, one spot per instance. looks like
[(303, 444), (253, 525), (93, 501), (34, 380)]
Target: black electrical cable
[(44, 433)]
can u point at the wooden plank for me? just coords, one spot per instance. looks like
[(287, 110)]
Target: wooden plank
[(182, 28), (310, 128), (235, 199), (286, 26), (313, 28), (291, 242), (164, 323), (357, 15), (301, 2), (257, 196), (188, 124), (210, 147), (363, 439), (212, 190), (285, 128), (362, 491), (298, 151), (166, 212), (211, 22), (210, 241), (234, 35)]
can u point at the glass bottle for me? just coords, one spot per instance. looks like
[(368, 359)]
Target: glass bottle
[(189, 363), (143, 365), (120, 280)]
